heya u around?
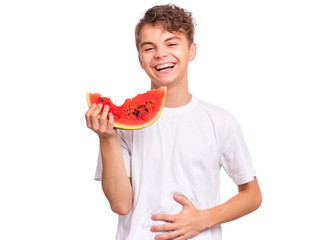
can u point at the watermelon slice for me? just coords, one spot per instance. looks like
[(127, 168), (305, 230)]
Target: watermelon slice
[(138, 112)]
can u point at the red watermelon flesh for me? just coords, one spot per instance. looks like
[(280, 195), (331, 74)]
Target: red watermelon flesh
[(138, 112)]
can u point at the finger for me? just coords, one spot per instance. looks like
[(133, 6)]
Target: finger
[(97, 110), (182, 200), (103, 119), (104, 113), (163, 227), (163, 217), (183, 237), (110, 123), (170, 235), (87, 115), (94, 117)]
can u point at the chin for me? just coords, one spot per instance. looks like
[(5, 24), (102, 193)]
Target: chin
[(162, 82)]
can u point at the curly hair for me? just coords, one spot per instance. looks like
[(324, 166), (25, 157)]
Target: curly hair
[(171, 17)]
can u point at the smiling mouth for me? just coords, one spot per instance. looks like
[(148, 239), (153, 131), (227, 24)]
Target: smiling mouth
[(164, 67)]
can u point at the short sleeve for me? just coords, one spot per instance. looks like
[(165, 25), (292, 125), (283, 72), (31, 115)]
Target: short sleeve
[(125, 153), (235, 157)]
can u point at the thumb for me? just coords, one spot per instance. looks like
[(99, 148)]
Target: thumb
[(182, 200)]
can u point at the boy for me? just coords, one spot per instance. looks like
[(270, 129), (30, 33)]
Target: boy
[(163, 180)]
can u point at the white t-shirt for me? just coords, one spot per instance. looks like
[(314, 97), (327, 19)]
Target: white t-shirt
[(182, 152)]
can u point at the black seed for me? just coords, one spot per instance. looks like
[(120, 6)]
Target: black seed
[(146, 109)]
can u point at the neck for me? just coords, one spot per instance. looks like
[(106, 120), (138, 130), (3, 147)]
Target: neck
[(177, 96), (176, 99)]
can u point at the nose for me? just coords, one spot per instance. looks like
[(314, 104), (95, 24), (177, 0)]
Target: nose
[(160, 53)]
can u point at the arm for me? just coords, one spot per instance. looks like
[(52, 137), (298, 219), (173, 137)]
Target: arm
[(191, 221), (115, 182), (246, 201)]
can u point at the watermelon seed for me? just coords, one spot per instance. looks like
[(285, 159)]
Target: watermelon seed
[(146, 109)]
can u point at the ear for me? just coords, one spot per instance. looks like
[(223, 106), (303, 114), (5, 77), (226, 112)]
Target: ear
[(192, 52), (140, 60)]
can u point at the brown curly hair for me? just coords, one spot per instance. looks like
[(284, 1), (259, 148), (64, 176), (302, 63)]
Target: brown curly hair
[(171, 17)]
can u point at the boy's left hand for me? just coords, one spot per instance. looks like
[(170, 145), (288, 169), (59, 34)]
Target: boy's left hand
[(187, 224)]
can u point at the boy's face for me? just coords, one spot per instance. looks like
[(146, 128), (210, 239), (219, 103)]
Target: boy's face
[(165, 56)]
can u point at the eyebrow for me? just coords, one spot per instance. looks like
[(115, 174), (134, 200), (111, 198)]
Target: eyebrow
[(167, 40), (172, 38)]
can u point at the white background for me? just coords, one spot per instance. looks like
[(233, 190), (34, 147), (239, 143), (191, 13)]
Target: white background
[(271, 63)]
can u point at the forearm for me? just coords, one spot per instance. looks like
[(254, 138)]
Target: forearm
[(245, 202), (115, 182)]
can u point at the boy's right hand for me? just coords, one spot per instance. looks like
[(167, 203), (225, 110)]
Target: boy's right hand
[(102, 126)]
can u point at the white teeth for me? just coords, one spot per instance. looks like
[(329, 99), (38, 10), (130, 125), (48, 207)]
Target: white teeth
[(165, 65)]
